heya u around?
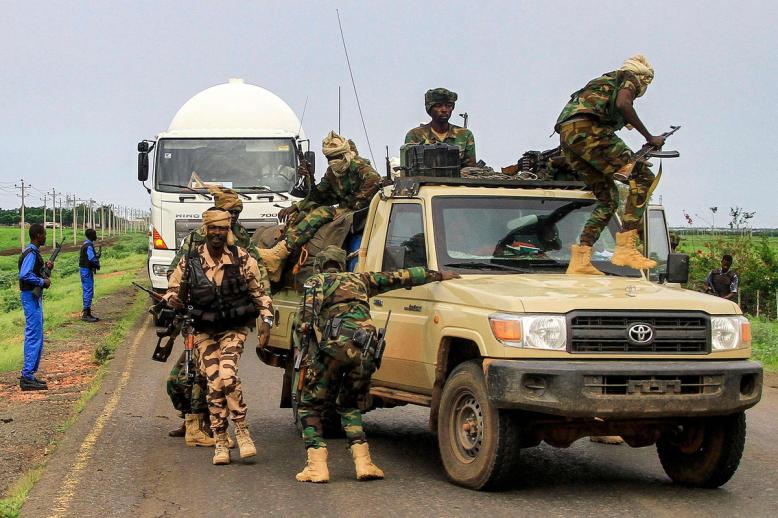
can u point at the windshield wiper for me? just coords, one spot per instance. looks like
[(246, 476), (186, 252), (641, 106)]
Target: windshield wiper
[(184, 187), (484, 265), (266, 189)]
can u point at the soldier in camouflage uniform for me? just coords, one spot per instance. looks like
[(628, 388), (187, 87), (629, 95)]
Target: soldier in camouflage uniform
[(226, 297), (350, 182), (587, 127), (188, 399), (439, 104), (338, 362)]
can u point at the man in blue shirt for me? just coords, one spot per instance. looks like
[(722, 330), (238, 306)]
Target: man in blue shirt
[(31, 276), (89, 263)]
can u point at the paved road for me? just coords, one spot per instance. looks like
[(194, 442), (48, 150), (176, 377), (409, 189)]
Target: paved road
[(117, 461)]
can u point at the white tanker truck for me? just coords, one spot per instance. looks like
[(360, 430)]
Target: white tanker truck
[(235, 135)]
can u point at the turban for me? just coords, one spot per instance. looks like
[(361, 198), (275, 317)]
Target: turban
[(332, 254), (225, 199), (220, 218), (438, 95), (334, 145), (639, 65)]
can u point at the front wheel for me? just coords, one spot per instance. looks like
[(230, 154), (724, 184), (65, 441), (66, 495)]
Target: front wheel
[(478, 443), (705, 453)]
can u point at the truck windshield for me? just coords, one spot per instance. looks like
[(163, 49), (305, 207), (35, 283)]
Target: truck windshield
[(534, 234), (236, 163)]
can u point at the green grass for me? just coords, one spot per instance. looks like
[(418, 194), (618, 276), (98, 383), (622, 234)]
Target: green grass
[(765, 343), (17, 494), (9, 237), (63, 300), (690, 243)]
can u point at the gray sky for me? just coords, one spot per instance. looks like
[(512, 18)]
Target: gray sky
[(82, 82)]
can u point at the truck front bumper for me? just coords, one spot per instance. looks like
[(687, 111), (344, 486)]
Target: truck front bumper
[(624, 389)]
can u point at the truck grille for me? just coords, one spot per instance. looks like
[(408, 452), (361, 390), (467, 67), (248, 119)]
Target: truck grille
[(609, 332), (652, 385)]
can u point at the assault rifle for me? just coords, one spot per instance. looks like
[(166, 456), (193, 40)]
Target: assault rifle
[(377, 349), (46, 271), (307, 341), (646, 151), (304, 182)]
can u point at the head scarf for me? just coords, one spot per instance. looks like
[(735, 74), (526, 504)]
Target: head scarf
[(334, 145), (225, 199), (331, 254), (639, 65), (437, 96), (221, 218)]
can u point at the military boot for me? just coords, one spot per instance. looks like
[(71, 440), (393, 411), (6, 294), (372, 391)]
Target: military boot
[(86, 316), (581, 261), (627, 254), (178, 432), (245, 444), (607, 439), (221, 454), (195, 435), (274, 259), (315, 467), (365, 468)]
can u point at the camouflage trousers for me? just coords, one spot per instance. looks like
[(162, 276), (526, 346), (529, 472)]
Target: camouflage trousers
[(307, 224), (218, 355), (595, 152), (187, 399), (337, 371)]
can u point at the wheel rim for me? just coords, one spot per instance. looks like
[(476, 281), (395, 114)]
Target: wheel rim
[(467, 425)]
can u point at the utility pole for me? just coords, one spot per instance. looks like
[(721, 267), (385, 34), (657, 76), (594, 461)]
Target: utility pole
[(61, 221), (75, 220), (45, 209), (21, 214), (102, 221), (54, 216)]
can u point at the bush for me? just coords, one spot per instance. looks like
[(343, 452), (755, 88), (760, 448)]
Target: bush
[(8, 279), (11, 300), (765, 341)]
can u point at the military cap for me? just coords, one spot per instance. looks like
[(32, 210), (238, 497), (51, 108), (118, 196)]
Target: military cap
[(438, 95), (332, 253)]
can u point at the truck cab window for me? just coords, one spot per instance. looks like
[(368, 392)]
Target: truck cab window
[(405, 243)]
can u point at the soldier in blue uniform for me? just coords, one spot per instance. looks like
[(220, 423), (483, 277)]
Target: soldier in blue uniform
[(89, 263)]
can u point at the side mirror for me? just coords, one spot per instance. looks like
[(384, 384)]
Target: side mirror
[(677, 268), (394, 257), (310, 156), (143, 166)]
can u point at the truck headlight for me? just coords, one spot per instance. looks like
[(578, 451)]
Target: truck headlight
[(730, 333), (530, 331), (159, 269)]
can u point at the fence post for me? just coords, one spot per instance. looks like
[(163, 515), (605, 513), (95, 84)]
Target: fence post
[(757, 303)]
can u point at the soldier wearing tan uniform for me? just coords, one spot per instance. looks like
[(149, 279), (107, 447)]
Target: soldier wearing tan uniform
[(226, 297)]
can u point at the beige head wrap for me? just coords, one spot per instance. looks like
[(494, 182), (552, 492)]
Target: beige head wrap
[(639, 65), (220, 218), (334, 145), (225, 199)]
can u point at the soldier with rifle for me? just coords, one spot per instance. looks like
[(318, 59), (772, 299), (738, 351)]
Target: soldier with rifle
[(336, 303), (34, 276), (88, 264), (223, 298)]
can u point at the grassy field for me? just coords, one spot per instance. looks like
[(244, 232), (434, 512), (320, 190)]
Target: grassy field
[(692, 242), (9, 237), (62, 302), (765, 343)]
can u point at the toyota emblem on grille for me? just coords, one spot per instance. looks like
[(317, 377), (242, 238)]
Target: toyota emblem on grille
[(640, 333)]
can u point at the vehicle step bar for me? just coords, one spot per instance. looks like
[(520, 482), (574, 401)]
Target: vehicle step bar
[(400, 395)]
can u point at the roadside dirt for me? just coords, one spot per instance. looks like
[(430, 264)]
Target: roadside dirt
[(31, 422)]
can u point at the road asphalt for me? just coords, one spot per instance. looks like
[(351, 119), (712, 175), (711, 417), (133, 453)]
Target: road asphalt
[(117, 460)]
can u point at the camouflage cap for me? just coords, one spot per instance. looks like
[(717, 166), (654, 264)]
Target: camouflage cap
[(438, 95), (332, 253)]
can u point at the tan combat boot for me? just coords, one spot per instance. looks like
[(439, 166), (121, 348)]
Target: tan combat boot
[(315, 467), (366, 470), (607, 439), (195, 435), (581, 261), (245, 444), (274, 259), (221, 454), (626, 253)]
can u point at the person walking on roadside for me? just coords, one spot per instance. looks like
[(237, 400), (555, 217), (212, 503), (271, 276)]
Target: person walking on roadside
[(31, 282), (88, 263), (723, 282)]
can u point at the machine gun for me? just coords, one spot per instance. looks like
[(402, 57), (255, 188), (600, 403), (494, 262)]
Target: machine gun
[(377, 348), (646, 151), (46, 271), (307, 342)]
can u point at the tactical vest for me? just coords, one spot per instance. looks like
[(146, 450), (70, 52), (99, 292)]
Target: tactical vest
[(722, 282), (37, 268), (220, 307), (83, 258)]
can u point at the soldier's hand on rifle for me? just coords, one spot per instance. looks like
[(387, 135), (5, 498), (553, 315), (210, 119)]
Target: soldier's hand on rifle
[(656, 141), (303, 169), (50, 265), (46, 282), (446, 276), (173, 301), (304, 327), (264, 334), (286, 213)]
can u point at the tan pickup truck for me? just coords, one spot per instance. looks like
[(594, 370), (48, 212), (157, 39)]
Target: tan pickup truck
[(516, 352)]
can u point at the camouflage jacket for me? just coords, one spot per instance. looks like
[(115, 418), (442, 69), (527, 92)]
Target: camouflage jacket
[(598, 99), (345, 295), (458, 136), (214, 272), (242, 239), (351, 191)]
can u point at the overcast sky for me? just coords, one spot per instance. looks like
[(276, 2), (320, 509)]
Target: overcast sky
[(82, 82)]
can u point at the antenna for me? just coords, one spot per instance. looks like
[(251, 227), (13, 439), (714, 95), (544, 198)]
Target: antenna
[(302, 117), (338, 109), (359, 106)]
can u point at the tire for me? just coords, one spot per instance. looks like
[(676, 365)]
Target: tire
[(485, 455), (707, 453)]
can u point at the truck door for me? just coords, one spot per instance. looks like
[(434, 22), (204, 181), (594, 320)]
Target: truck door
[(658, 241)]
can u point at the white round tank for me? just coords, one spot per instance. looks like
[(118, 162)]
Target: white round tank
[(235, 109)]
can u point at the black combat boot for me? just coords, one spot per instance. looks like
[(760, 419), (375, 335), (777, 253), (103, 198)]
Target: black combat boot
[(86, 316), (32, 384)]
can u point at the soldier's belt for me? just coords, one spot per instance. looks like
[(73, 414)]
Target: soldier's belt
[(334, 330), (577, 123)]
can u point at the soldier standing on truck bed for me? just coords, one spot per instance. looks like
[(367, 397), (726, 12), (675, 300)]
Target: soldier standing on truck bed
[(343, 360), (350, 182), (587, 127), (189, 399), (439, 104), (225, 298)]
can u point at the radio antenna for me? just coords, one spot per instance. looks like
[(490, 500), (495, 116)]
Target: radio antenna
[(302, 117), (359, 106)]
